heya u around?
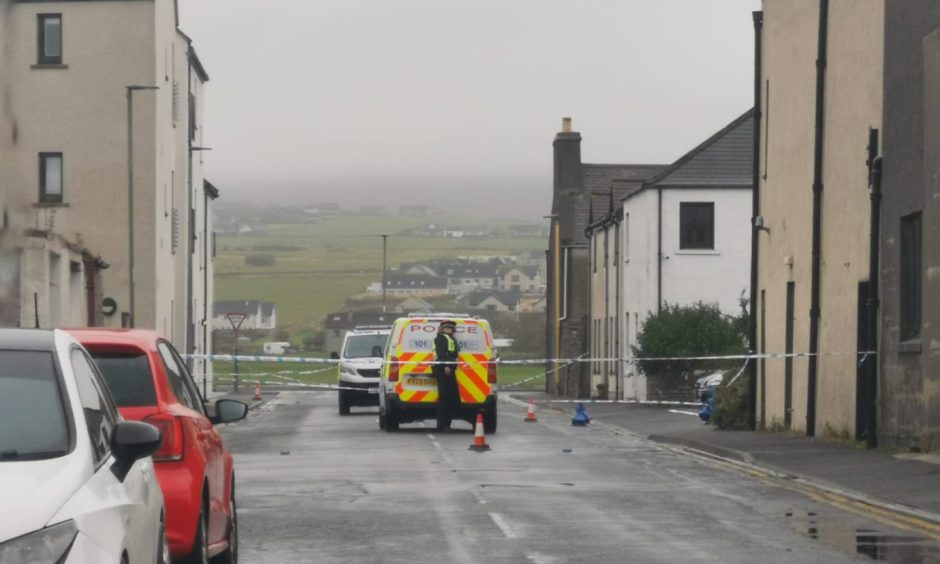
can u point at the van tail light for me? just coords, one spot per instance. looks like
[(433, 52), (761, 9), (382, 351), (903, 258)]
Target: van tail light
[(172, 430), (491, 372), (393, 369)]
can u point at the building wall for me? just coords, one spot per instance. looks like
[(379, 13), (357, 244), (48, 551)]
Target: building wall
[(853, 106), (909, 392), (721, 275), (106, 46), (853, 100)]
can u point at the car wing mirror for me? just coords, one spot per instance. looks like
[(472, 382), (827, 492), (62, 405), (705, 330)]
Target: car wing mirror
[(131, 441), (229, 411)]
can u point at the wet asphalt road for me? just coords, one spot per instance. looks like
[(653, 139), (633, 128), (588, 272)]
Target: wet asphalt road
[(316, 487)]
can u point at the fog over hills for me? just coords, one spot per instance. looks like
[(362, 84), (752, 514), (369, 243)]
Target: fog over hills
[(503, 197)]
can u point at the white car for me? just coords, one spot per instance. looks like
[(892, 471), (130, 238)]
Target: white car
[(77, 484)]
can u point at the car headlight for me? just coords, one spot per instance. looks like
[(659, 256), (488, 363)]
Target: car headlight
[(349, 371), (45, 545)]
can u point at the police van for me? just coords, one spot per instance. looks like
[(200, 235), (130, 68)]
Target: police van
[(360, 361), (407, 388)]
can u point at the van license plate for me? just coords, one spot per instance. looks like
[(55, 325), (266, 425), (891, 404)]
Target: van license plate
[(421, 381), (374, 391)]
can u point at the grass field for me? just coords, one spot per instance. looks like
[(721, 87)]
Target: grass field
[(317, 266)]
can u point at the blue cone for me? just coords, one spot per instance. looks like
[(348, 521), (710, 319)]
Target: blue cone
[(705, 414), (581, 417)]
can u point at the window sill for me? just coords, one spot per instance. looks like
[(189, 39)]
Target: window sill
[(910, 346), (49, 66), (51, 205), (696, 252)]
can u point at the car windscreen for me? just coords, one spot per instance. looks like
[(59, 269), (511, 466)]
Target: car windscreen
[(419, 337), (32, 414), (128, 377), (361, 346)]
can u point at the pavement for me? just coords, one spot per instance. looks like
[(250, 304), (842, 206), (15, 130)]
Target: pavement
[(909, 483)]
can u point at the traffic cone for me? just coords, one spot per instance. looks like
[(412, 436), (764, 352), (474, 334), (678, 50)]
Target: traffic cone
[(257, 391), (581, 417), (530, 416), (479, 439)]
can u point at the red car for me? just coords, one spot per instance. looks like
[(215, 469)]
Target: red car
[(149, 382)]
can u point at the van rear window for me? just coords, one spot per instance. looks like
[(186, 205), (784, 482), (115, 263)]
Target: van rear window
[(419, 337)]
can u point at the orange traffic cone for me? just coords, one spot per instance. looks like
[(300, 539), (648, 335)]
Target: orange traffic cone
[(257, 391), (530, 416), (479, 439)]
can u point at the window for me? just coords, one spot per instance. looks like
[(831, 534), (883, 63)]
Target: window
[(50, 39), (34, 416), (100, 415), (50, 177), (697, 225), (911, 272)]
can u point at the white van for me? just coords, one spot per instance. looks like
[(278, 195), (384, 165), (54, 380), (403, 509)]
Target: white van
[(407, 389), (360, 361)]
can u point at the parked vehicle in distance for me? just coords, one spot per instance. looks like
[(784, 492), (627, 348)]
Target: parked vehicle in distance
[(706, 385), (408, 391), (276, 347), (360, 361), (76, 480), (151, 383)]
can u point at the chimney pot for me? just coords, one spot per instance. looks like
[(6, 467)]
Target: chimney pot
[(566, 125)]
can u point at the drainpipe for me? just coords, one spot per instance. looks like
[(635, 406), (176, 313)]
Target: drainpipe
[(817, 218), (755, 213), (871, 369), (659, 250)]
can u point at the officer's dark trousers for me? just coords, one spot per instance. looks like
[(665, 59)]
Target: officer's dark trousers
[(448, 399)]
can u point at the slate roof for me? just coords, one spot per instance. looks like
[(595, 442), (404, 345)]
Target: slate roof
[(724, 160), (350, 319), (507, 298), (530, 271), (599, 180)]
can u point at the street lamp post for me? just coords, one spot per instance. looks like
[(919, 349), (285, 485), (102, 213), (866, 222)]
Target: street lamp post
[(384, 269), (130, 196)]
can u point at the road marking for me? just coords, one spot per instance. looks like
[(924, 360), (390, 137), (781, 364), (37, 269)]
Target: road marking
[(503, 525), (479, 497), (683, 412), (430, 436), (537, 558)]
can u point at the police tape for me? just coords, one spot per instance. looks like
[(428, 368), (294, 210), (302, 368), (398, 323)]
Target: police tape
[(304, 385), (541, 375), (525, 362)]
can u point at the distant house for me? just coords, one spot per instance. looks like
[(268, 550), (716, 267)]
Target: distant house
[(324, 208), (467, 277), (338, 323), (521, 279), (415, 285), (531, 257), (494, 300), (418, 211), (528, 230), (261, 315), (373, 210), (413, 303), (532, 303)]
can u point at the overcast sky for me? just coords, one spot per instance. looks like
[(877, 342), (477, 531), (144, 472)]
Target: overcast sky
[(414, 101)]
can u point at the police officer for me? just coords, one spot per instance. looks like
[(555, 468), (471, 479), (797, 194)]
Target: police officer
[(446, 350)]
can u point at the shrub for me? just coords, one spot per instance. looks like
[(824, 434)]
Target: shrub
[(259, 260), (688, 331), (730, 411)]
